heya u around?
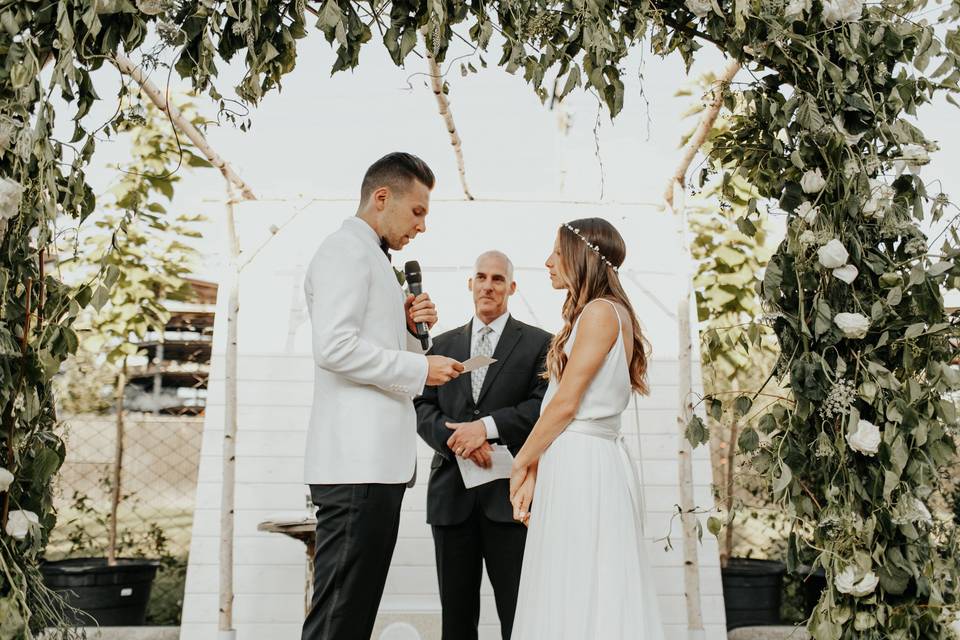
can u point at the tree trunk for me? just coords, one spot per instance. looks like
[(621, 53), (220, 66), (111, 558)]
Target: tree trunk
[(229, 427), (691, 564), (117, 467), (731, 452)]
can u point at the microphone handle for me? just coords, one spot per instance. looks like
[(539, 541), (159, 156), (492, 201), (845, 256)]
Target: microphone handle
[(422, 331)]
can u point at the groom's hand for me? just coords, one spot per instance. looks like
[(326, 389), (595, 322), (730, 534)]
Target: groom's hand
[(441, 370), (467, 437), (420, 309)]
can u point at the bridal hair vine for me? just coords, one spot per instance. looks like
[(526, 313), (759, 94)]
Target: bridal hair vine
[(594, 247)]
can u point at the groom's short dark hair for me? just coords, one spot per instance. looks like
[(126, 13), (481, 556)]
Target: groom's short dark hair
[(396, 170)]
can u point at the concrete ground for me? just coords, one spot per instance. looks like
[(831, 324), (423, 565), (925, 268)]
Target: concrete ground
[(769, 633)]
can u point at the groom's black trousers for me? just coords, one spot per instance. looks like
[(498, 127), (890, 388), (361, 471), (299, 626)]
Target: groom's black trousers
[(357, 528)]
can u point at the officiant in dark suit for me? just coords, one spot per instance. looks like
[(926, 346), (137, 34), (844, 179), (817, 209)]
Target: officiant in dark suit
[(498, 404)]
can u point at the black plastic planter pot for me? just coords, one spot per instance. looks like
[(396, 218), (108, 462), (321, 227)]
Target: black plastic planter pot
[(113, 596), (752, 590), (814, 582)]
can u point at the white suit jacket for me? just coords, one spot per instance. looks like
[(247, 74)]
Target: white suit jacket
[(363, 426)]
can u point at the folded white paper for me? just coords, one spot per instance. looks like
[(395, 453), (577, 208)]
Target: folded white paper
[(474, 475), (476, 362)]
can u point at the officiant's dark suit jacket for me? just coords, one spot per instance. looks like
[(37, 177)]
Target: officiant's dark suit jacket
[(512, 392)]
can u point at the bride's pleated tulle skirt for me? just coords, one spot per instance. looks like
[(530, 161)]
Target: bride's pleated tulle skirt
[(585, 572)]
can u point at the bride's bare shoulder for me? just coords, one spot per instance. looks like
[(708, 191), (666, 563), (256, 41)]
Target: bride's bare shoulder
[(599, 320)]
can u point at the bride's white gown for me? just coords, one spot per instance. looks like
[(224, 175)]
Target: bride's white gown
[(585, 572)]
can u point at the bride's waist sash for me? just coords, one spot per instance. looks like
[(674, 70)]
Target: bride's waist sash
[(606, 428)]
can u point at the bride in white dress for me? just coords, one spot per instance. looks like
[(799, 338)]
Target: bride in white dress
[(585, 573)]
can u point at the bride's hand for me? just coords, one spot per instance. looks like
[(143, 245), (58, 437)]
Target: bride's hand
[(517, 475), (522, 498)]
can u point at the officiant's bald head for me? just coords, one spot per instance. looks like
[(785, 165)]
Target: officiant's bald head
[(492, 285)]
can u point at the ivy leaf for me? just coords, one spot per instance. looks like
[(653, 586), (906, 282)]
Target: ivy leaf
[(749, 440), (746, 227), (742, 405), (715, 409), (714, 525), (697, 433)]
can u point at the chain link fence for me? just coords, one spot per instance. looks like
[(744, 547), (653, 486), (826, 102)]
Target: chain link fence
[(158, 485)]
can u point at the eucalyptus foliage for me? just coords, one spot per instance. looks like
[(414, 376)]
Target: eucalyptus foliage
[(823, 130)]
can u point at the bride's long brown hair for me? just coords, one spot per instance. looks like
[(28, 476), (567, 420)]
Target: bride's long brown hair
[(587, 277)]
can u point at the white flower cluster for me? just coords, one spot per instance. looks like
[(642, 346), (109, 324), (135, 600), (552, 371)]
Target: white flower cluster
[(833, 255), (837, 11), (813, 181), (808, 212), (865, 438), (912, 157), (839, 399), (881, 198), (699, 8), (6, 479), (911, 509), (852, 582), (21, 523), (10, 192)]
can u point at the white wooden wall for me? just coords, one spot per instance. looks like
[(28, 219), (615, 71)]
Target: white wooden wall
[(275, 386)]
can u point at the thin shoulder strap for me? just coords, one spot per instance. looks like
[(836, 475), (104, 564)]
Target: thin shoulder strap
[(615, 311)]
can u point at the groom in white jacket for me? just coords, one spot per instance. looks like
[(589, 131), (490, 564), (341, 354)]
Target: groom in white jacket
[(361, 442)]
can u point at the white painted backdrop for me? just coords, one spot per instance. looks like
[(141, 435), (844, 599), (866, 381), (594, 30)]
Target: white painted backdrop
[(275, 386)]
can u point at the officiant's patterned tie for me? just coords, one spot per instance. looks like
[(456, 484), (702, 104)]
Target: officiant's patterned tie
[(483, 347)]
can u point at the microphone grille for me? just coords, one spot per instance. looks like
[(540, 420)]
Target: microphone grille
[(411, 270)]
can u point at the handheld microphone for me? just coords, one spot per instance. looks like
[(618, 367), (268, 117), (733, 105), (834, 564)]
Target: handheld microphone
[(411, 271)]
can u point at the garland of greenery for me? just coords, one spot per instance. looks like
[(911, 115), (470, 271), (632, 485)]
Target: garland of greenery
[(853, 293)]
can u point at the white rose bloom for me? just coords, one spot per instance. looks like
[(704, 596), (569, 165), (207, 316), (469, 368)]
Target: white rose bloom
[(699, 8), (812, 181), (866, 438), (852, 325), (913, 156), (808, 237), (836, 11), (10, 192), (881, 197), (19, 523), (6, 479), (808, 212), (850, 168), (846, 582), (848, 273), (923, 514), (833, 254)]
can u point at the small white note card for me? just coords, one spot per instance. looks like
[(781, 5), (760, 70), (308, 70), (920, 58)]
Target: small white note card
[(476, 362), (474, 475)]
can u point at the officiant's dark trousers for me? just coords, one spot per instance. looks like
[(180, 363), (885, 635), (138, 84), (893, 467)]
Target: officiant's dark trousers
[(357, 528)]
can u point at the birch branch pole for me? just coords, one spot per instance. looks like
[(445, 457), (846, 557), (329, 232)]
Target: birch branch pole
[(707, 120), (228, 482), (234, 184), (436, 81), (125, 65), (674, 198)]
